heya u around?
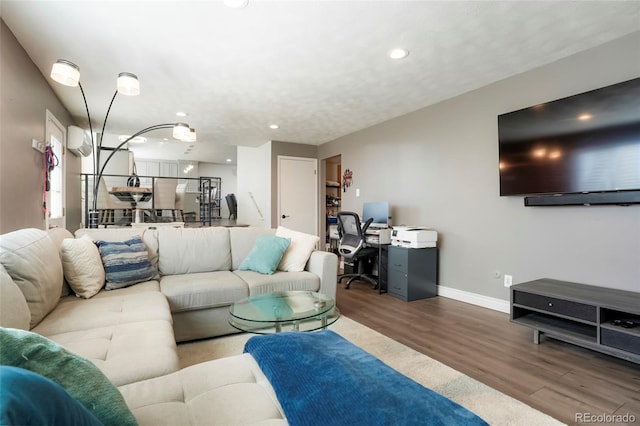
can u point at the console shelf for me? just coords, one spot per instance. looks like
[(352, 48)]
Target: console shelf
[(598, 318)]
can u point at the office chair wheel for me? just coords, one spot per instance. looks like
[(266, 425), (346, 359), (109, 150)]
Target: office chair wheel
[(372, 281)]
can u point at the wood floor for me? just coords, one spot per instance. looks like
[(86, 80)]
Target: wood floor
[(556, 378)]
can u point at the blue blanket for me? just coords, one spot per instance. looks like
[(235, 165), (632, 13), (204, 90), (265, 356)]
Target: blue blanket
[(322, 379)]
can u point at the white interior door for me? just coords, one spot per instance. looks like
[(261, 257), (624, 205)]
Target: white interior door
[(56, 135), (298, 194)]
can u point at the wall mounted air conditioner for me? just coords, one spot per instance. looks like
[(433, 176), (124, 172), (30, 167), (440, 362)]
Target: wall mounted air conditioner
[(78, 141)]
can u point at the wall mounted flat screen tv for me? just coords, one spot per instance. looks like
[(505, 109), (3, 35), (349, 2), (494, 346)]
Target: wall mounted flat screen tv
[(587, 143)]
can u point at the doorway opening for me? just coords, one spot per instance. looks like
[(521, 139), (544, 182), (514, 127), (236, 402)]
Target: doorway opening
[(333, 200)]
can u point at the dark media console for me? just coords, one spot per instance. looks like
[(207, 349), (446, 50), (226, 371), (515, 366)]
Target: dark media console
[(603, 319)]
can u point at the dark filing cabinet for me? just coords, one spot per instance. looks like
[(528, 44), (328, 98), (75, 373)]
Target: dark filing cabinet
[(412, 273)]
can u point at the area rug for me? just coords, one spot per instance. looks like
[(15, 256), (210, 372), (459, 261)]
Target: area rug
[(494, 407)]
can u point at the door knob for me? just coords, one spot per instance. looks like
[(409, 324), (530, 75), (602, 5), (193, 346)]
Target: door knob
[(284, 216)]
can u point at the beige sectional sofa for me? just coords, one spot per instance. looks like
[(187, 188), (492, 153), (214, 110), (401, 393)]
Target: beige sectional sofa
[(200, 278), (130, 334)]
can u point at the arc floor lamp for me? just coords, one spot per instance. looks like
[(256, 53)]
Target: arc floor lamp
[(67, 73)]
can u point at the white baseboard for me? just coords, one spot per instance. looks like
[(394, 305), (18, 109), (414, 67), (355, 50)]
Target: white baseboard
[(475, 299)]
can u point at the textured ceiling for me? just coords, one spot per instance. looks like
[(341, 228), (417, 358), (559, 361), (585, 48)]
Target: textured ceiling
[(319, 69)]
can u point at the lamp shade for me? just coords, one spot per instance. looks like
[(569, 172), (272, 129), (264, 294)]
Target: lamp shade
[(181, 131), (65, 72), (128, 84), (191, 136)]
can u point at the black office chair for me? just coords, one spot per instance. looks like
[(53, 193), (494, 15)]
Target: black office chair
[(353, 248), (233, 206)]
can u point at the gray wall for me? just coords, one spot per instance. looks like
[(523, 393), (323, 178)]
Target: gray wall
[(438, 167), (24, 98)]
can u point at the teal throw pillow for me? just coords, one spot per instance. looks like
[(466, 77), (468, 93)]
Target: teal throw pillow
[(78, 376), (27, 398), (265, 255), (125, 263)]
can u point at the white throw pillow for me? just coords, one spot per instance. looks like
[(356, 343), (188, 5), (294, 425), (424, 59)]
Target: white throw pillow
[(82, 266), (299, 251)]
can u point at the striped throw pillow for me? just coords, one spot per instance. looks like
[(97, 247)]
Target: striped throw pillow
[(125, 263)]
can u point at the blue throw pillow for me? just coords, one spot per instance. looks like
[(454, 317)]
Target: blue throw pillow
[(265, 255), (125, 263), (27, 398)]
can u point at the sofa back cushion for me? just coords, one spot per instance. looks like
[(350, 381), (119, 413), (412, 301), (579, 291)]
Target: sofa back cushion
[(14, 311), (32, 260), (242, 240), (192, 250)]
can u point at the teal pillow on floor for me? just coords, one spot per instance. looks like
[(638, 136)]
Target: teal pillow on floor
[(265, 255), (78, 376), (27, 398)]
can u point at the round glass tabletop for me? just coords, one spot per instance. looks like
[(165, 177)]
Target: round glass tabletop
[(283, 311)]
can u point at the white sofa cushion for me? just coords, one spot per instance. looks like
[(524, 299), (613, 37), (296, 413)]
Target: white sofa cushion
[(126, 353), (79, 377), (300, 248), (75, 314), (14, 311), (202, 290), (31, 258), (279, 281), (82, 266), (152, 285), (192, 250), (226, 391)]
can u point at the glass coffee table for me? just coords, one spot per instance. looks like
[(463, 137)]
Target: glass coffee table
[(283, 311)]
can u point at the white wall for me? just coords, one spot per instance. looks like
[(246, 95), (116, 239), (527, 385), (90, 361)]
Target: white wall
[(254, 177), (438, 167)]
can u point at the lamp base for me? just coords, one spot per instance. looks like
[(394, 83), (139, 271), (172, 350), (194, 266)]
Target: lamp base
[(93, 218)]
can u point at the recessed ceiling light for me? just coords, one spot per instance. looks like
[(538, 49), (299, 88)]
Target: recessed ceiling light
[(181, 114), (398, 53), (236, 4), (228, 160), (585, 117), (274, 126)]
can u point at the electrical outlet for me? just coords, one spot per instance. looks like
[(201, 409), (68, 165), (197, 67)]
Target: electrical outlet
[(508, 280)]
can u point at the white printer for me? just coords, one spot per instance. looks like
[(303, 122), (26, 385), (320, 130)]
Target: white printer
[(413, 237)]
